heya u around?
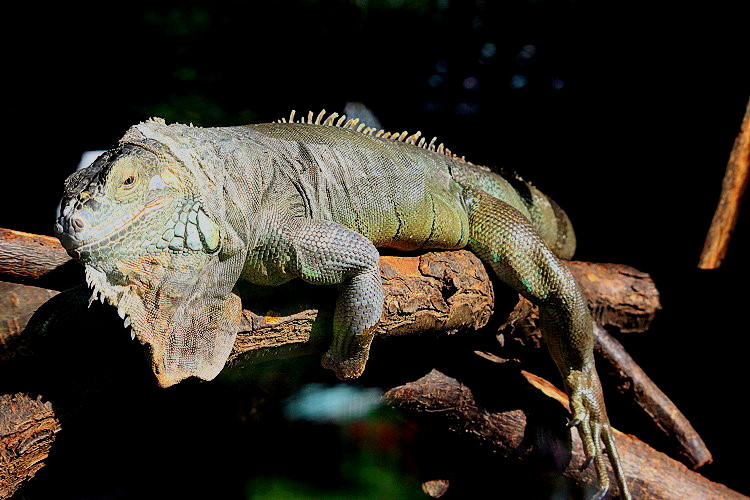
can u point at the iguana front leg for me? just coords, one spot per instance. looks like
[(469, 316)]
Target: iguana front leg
[(327, 253), (506, 240)]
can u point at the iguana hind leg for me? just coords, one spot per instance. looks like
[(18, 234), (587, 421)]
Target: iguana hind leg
[(504, 239)]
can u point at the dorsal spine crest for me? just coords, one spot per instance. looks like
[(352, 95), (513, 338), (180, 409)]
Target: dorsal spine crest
[(415, 139)]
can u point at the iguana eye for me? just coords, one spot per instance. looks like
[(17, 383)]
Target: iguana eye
[(129, 179), (125, 174)]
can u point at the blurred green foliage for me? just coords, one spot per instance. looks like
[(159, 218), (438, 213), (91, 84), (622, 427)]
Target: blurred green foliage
[(365, 475)]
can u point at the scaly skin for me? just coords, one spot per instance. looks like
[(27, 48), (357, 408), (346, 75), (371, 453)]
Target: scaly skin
[(167, 222)]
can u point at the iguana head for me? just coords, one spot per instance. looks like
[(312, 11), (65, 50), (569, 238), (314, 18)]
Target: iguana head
[(142, 224), (133, 201)]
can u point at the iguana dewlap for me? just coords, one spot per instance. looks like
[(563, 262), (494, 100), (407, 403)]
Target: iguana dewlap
[(169, 220)]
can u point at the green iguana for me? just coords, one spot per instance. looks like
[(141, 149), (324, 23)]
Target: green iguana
[(169, 220)]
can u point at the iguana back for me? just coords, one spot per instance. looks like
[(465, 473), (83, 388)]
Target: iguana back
[(398, 189)]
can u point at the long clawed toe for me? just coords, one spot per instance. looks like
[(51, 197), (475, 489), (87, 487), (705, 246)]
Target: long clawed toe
[(596, 434)]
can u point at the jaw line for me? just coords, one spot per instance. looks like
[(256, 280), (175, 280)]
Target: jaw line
[(150, 207)]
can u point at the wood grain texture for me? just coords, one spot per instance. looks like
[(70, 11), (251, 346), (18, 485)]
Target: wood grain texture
[(620, 297), (28, 256)]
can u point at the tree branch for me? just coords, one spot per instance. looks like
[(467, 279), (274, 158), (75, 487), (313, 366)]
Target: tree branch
[(439, 400), (436, 292), (680, 438), (732, 189), (35, 259)]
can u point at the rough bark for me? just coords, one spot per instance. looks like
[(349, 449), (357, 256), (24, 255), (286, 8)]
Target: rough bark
[(732, 189), (27, 430), (441, 400), (434, 291), (620, 297), (430, 293), (35, 259)]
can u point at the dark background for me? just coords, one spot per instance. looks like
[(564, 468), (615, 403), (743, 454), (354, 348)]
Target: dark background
[(625, 114)]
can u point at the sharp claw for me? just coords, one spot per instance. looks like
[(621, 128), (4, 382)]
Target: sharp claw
[(587, 414), (600, 494), (574, 423)]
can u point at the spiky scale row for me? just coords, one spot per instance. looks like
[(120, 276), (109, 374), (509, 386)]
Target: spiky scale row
[(95, 281), (415, 139)]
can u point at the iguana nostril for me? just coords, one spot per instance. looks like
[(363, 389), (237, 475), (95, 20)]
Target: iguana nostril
[(77, 223)]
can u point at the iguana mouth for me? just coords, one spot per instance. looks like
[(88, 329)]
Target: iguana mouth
[(74, 229)]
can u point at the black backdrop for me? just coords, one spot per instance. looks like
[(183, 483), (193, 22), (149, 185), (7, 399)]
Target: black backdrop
[(625, 114)]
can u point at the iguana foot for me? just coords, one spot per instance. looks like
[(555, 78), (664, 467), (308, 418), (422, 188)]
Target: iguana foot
[(348, 355), (589, 416)]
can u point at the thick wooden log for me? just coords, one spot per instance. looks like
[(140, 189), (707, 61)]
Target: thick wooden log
[(444, 291), (34, 259), (443, 401), (620, 297), (433, 292), (436, 292), (426, 293)]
